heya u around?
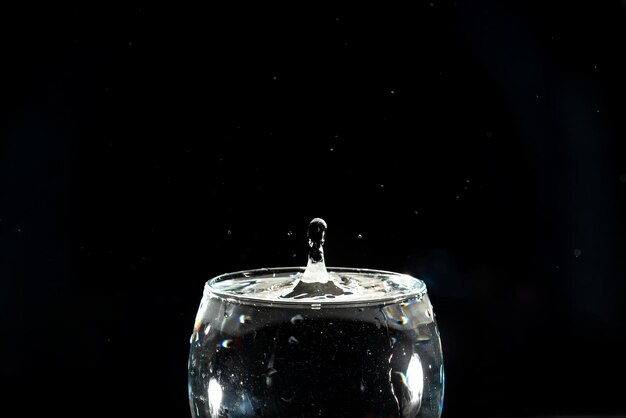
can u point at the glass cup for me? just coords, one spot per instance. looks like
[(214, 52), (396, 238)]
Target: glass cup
[(365, 353)]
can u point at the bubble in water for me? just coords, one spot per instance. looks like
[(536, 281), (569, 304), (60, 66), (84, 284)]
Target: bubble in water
[(296, 319), (359, 236), (293, 340)]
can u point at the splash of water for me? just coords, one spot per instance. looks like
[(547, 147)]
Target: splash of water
[(315, 281)]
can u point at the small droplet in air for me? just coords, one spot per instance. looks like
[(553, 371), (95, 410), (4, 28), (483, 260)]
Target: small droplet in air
[(577, 252), (227, 343), (297, 319), (293, 340)]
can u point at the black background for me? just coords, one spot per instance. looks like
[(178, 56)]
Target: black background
[(477, 145)]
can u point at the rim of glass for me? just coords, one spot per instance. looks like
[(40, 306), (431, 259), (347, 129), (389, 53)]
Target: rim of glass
[(210, 290)]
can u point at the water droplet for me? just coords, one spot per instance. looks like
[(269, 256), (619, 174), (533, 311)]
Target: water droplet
[(287, 396), (245, 319), (577, 252), (359, 236), (403, 320), (296, 319), (293, 340), (422, 339), (229, 232), (317, 236), (227, 343)]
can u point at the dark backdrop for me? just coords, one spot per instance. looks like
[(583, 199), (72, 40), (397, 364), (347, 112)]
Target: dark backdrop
[(477, 145)]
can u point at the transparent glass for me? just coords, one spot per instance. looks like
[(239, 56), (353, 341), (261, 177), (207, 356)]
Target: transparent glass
[(256, 357)]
